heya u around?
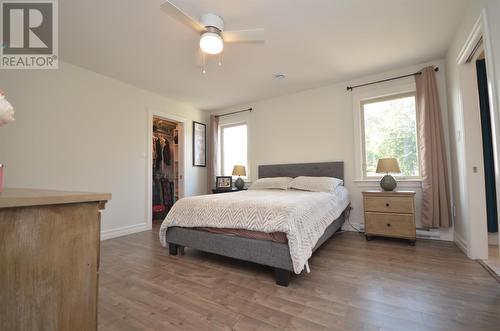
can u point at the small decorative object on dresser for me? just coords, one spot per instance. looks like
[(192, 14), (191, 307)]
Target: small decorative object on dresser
[(388, 183), (6, 110), (6, 116), (390, 214), (239, 171), (224, 183), (1, 177)]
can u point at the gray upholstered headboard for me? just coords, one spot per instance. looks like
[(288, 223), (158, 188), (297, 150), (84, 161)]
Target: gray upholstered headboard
[(323, 169)]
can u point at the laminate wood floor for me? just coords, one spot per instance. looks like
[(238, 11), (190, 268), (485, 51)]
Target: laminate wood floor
[(493, 261), (353, 285)]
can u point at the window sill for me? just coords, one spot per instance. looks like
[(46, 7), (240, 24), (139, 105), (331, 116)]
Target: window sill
[(402, 183)]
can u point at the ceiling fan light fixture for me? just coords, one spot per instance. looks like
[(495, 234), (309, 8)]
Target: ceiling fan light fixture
[(211, 43)]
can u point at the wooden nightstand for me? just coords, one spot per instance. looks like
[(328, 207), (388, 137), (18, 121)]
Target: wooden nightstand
[(215, 191), (390, 214)]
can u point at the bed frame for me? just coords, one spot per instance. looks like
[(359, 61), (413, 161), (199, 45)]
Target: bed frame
[(265, 252)]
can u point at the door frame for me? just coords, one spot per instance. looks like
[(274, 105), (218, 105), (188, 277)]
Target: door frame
[(477, 241), (149, 160)]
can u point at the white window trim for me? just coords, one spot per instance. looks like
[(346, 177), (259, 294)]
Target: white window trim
[(402, 183), (361, 95), (234, 120), (363, 145)]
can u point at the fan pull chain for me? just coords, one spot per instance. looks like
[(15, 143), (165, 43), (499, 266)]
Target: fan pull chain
[(204, 70), (220, 59)]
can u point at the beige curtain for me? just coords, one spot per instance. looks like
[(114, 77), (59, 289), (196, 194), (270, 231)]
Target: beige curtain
[(435, 189), (213, 152)]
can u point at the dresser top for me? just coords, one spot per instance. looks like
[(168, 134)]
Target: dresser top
[(388, 193), (20, 197)]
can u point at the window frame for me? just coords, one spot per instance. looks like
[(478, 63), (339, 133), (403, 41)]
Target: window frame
[(381, 98), (221, 139)]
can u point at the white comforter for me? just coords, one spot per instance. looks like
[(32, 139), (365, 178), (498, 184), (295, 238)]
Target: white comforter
[(302, 215)]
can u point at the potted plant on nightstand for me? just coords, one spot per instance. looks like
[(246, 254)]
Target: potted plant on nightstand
[(6, 116)]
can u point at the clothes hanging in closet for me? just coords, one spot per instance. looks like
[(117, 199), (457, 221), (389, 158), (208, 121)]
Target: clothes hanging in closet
[(166, 153), (163, 180), (158, 152)]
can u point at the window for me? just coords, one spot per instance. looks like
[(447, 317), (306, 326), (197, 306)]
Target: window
[(233, 147), (390, 130)]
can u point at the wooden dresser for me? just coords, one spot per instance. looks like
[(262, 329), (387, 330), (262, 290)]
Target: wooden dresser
[(390, 214), (49, 259)]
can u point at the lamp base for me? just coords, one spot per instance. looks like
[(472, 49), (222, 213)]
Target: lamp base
[(388, 183), (239, 183)]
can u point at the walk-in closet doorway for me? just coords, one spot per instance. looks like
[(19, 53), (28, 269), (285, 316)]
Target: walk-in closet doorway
[(166, 164)]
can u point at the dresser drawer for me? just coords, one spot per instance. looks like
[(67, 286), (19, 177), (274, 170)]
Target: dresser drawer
[(393, 225), (402, 205)]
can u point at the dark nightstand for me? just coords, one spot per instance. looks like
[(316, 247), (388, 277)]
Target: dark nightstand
[(220, 190)]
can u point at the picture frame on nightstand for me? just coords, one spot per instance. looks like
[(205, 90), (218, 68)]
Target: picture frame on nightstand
[(224, 183)]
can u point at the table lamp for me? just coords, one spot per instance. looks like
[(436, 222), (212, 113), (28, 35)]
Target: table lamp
[(239, 170), (388, 183)]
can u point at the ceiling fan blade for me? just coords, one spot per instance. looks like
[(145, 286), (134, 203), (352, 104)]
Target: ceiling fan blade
[(174, 11), (244, 36)]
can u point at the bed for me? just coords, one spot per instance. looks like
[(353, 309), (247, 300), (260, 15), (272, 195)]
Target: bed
[(289, 211)]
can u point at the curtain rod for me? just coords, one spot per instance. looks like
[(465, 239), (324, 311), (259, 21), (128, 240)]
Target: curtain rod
[(234, 112), (350, 88)]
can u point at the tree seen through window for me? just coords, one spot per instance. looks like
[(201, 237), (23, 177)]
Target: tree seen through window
[(390, 131)]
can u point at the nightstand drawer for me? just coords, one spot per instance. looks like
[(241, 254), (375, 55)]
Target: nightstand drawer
[(394, 225), (402, 205)]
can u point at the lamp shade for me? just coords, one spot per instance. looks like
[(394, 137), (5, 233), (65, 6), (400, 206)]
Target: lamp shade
[(239, 170), (387, 165)]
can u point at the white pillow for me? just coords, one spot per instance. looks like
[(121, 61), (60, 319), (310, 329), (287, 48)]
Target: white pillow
[(315, 184), (280, 183)]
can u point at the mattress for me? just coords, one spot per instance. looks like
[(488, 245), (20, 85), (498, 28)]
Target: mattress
[(302, 215), (278, 237)]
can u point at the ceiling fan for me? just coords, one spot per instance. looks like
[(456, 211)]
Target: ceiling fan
[(211, 30)]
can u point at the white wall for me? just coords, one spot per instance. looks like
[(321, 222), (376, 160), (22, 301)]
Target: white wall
[(317, 125), (466, 143), (78, 130), (493, 14)]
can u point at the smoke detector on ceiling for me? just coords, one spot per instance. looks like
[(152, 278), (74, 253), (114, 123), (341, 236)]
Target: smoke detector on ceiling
[(279, 76)]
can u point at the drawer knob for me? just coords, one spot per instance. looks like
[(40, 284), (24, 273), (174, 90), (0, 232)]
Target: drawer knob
[(387, 204), (388, 224)]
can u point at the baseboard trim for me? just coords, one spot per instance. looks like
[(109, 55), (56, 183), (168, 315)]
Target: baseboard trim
[(421, 234), (490, 271), (460, 242), (124, 230)]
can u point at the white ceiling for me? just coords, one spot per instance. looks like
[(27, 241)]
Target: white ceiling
[(314, 42)]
